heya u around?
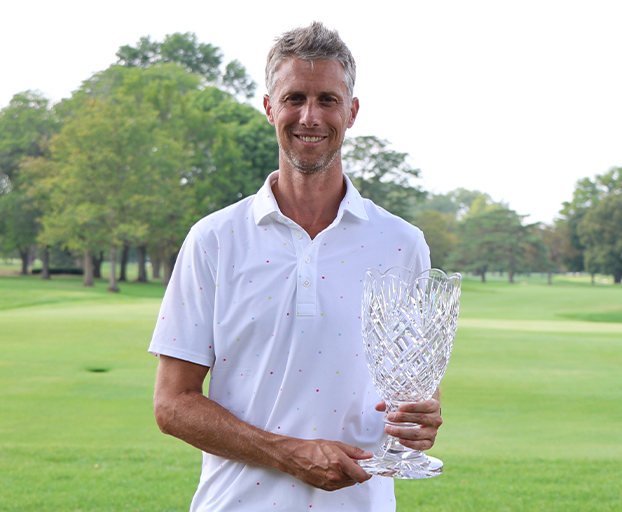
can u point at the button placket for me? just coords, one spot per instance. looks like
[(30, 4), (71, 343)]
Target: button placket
[(306, 273)]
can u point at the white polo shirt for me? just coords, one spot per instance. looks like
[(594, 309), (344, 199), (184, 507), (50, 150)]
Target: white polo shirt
[(277, 318)]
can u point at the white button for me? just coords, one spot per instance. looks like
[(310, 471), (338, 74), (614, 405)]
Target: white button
[(298, 235), (308, 259), (306, 283)]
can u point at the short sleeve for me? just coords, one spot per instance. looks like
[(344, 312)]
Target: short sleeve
[(421, 255), (184, 329)]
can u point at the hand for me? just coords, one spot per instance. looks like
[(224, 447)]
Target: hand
[(427, 414), (327, 465)]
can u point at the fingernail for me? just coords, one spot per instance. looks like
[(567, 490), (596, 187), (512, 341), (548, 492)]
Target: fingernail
[(391, 416)]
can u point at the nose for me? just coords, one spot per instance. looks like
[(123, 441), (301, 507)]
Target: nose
[(309, 114)]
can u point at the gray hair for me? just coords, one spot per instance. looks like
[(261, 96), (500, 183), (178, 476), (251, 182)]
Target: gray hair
[(314, 42)]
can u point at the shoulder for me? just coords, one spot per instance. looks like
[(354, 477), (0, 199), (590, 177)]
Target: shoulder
[(391, 224), (226, 218)]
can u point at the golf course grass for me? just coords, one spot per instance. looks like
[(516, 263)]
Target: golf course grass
[(532, 401)]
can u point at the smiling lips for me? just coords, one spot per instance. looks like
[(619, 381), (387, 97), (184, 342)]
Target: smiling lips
[(309, 138)]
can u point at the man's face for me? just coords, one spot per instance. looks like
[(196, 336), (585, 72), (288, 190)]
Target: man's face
[(311, 110)]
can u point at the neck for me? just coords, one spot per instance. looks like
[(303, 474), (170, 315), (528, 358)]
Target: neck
[(310, 200)]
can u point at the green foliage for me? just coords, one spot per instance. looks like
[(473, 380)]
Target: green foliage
[(25, 126), (381, 174), (439, 230), (199, 58), (491, 239), (586, 196), (600, 232)]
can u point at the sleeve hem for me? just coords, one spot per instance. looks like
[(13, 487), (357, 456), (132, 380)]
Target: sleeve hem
[(177, 353)]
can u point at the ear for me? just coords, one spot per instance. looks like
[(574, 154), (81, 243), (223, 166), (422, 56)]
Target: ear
[(354, 110), (268, 108)]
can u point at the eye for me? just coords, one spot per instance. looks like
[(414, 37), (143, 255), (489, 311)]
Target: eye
[(295, 98)]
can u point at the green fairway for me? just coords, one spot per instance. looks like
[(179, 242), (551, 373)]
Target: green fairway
[(532, 402)]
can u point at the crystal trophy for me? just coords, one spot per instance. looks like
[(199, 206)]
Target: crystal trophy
[(409, 324)]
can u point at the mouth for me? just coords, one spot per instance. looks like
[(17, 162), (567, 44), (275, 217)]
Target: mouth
[(309, 138)]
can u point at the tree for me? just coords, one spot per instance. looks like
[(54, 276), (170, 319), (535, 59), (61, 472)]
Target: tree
[(600, 232), (439, 230), (381, 174), (587, 194), (458, 203), (198, 58), (490, 239), (25, 127), (114, 170)]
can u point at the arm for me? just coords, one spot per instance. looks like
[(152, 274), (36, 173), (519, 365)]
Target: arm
[(426, 413), (183, 411)]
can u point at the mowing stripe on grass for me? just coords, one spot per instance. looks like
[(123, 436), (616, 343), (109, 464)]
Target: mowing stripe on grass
[(539, 325)]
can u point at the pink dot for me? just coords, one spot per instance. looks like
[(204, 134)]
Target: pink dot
[(299, 370), (362, 246), (278, 428), (317, 390), (335, 410), (323, 277), (224, 359), (399, 249), (210, 346), (357, 355), (271, 373), (201, 288), (162, 318), (257, 483), (341, 297), (267, 261), (287, 314)]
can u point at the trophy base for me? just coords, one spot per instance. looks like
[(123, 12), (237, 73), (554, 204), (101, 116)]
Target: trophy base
[(396, 461)]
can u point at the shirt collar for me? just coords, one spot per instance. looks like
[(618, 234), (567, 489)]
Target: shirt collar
[(265, 204)]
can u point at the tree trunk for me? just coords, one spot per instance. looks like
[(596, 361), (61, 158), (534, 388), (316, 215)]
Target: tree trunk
[(168, 264), (125, 254), (45, 259), (141, 252), (112, 286), (617, 277), (155, 267), (593, 279), (88, 268), (483, 276), (25, 256), (97, 265), (549, 277)]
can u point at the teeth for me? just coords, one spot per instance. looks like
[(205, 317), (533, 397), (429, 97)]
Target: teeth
[(311, 139)]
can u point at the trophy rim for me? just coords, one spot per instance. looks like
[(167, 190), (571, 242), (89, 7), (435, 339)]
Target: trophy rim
[(375, 274)]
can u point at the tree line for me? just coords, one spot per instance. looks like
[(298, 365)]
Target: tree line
[(164, 136)]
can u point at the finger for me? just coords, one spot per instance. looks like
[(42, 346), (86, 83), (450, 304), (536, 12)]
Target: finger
[(381, 407), (425, 406), (350, 466), (412, 437)]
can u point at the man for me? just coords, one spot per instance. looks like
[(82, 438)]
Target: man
[(266, 297)]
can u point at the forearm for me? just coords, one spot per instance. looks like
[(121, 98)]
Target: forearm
[(183, 411), (203, 423)]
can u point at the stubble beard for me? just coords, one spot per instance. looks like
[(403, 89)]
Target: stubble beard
[(322, 164)]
